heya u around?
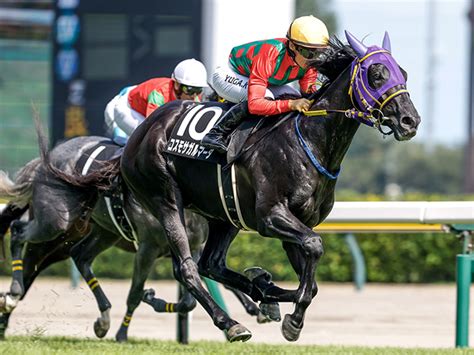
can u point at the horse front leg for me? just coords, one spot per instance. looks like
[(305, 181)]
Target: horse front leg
[(213, 265), (144, 261), (305, 251), (304, 267)]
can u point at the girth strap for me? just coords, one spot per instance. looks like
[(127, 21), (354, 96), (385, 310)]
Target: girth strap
[(115, 206)]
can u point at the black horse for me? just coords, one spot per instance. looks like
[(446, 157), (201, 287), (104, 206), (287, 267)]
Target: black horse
[(34, 188), (281, 194), (284, 181)]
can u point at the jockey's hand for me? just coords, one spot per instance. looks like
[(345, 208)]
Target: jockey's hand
[(300, 105)]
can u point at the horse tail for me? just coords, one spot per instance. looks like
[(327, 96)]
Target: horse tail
[(101, 178), (20, 191)]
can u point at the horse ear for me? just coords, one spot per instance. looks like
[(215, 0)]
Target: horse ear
[(386, 42), (356, 45)]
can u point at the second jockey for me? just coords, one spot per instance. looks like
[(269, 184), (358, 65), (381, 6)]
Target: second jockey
[(260, 71), (134, 103)]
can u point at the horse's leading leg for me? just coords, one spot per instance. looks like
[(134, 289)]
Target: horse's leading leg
[(279, 222), (144, 260), (304, 267), (83, 254)]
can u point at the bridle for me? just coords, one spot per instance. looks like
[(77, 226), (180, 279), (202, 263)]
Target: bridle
[(368, 102)]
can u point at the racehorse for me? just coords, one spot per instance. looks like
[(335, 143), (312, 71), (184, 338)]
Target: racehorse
[(34, 189), (283, 181)]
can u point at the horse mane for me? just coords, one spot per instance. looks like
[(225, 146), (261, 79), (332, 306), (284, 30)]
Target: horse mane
[(335, 59)]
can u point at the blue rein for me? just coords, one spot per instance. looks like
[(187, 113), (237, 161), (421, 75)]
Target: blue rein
[(310, 154)]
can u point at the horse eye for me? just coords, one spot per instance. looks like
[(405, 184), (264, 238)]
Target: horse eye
[(378, 74)]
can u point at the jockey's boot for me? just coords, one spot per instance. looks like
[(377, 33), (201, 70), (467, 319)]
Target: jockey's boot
[(216, 138)]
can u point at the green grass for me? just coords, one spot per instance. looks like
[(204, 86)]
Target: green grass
[(58, 345)]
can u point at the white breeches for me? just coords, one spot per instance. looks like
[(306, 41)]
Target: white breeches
[(119, 113), (233, 86)]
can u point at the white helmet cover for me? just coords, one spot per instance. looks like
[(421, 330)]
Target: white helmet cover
[(190, 72)]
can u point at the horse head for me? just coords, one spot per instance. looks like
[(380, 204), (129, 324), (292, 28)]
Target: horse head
[(378, 86)]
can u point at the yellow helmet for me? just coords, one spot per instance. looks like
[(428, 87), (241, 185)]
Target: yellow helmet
[(308, 31)]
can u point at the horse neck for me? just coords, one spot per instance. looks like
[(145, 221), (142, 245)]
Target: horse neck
[(329, 137)]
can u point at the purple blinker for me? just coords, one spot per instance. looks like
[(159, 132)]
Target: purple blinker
[(361, 83)]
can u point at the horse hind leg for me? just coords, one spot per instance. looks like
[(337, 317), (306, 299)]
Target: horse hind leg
[(184, 305), (37, 258), (83, 254), (26, 232), (144, 260)]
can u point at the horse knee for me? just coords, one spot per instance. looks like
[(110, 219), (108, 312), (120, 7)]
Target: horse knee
[(313, 246)]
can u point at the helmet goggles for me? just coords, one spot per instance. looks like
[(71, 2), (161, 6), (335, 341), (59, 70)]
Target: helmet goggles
[(191, 90), (309, 53)]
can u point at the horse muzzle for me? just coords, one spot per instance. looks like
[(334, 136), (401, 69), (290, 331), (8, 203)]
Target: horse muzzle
[(405, 128)]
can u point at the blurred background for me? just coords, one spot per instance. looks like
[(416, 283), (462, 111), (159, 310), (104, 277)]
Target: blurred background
[(68, 58)]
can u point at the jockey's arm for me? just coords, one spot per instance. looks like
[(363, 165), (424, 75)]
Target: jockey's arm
[(308, 82), (262, 69), (154, 100)]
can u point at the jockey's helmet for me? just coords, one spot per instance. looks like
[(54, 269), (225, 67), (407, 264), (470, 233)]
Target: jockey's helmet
[(308, 31), (190, 72)]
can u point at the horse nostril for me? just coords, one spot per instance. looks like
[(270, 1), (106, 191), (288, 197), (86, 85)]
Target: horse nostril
[(408, 121)]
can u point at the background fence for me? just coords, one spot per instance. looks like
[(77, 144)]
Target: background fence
[(24, 80)]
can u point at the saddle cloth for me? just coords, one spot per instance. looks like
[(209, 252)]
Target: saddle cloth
[(193, 125), (93, 158)]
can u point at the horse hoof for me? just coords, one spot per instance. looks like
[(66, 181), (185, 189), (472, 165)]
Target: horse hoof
[(262, 318), (7, 303), (148, 295), (238, 333), (271, 310), (289, 330), (121, 336), (3, 302), (254, 272), (100, 329)]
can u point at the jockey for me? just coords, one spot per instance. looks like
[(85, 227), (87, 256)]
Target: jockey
[(259, 71), (134, 103)]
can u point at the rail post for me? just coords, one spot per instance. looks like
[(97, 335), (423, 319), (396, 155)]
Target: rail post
[(182, 329), (463, 284)]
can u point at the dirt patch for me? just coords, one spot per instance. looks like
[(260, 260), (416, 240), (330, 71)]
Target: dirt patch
[(380, 315)]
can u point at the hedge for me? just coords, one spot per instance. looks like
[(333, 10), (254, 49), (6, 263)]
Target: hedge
[(388, 257)]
